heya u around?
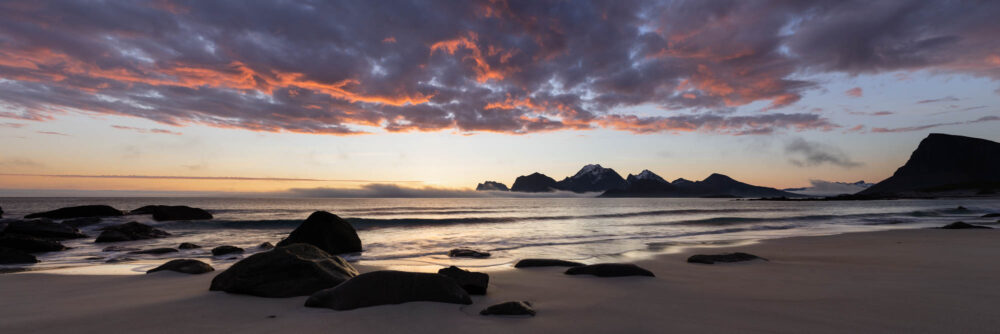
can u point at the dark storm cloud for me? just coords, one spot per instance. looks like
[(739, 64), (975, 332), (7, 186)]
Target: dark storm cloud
[(348, 67), (805, 153)]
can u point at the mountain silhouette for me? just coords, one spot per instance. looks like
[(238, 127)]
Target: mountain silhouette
[(944, 163)]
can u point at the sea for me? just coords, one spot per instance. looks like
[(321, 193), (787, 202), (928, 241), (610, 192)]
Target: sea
[(406, 233)]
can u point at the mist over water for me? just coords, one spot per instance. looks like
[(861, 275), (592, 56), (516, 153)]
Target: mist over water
[(420, 231)]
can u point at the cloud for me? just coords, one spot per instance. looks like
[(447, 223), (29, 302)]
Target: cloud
[(141, 130), (928, 126), (828, 188), (356, 67), (805, 153), (943, 99), (872, 113), (54, 133), (397, 191), (854, 92), (12, 125), (12, 162)]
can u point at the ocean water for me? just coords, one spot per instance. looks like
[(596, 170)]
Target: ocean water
[(413, 232)]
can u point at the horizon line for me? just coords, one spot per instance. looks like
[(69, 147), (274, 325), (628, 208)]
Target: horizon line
[(221, 178)]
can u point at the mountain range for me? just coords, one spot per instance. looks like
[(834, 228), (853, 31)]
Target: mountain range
[(595, 178)]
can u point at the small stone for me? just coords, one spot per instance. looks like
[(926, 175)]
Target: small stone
[(510, 308), (223, 250), (727, 258), (465, 252)]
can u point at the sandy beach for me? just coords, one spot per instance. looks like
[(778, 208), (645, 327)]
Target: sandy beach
[(912, 281)]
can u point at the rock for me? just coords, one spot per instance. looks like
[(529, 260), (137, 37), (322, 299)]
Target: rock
[(991, 215), (286, 271), (130, 231), (527, 263), (223, 250), (961, 225), (474, 283), (13, 256), (119, 249), (176, 212), (510, 308), (327, 232), (1, 212), (30, 244), (727, 258), (536, 182), (492, 186), (389, 287), (78, 211), (610, 270), (155, 251), (81, 222), (465, 252), (188, 245), (265, 246), (120, 260), (961, 209), (43, 228), (187, 266)]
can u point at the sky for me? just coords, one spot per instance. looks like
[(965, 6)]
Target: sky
[(295, 97)]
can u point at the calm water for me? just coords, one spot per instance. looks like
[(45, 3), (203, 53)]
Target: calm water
[(414, 232)]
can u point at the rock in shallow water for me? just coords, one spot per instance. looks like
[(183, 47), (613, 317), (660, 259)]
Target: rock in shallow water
[(286, 271), (172, 212), (80, 222), (13, 256), (991, 215), (44, 229), (390, 287), (155, 251), (266, 245), (326, 231), (30, 244), (188, 245), (130, 231), (474, 283), (528, 263), (465, 252), (223, 250), (510, 308), (727, 258), (962, 225), (78, 211), (186, 266), (610, 270)]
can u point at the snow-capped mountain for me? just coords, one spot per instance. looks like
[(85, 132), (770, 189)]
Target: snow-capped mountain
[(644, 175), (592, 178)]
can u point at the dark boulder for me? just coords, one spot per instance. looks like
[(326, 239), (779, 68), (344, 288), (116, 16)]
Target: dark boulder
[(726, 258), (1, 212), (188, 245), (81, 222), (961, 226), (465, 252), (474, 283), (991, 215), (30, 244), (286, 271), (610, 270), (187, 266), (13, 256), (327, 232), (389, 287), (172, 212), (527, 263), (43, 228), (130, 231), (155, 251), (78, 211), (510, 308), (265, 246), (227, 249), (119, 260)]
